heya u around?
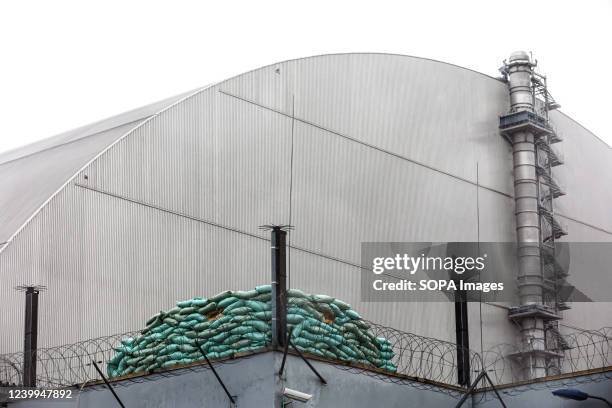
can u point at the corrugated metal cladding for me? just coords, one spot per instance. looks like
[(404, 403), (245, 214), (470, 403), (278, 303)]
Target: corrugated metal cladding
[(347, 148)]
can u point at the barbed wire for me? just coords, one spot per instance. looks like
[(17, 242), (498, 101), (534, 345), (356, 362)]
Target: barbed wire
[(421, 361)]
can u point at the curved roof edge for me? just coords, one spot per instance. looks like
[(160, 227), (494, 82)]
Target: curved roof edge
[(174, 101), (131, 116)]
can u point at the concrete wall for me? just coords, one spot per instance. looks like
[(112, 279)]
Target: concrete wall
[(255, 383)]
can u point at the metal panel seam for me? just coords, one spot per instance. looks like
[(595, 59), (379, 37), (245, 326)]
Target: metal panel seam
[(198, 91)]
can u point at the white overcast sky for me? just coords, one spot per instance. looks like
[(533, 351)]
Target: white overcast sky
[(64, 64)]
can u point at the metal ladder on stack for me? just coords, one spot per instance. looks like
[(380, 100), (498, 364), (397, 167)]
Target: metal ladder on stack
[(551, 230)]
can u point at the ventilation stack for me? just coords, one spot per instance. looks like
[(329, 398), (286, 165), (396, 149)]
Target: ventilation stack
[(527, 129)]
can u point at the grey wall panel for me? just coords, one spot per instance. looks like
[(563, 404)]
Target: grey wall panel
[(346, 193), (397, 103), (586, 175), (496, 218), (212, 157), (26, 183)]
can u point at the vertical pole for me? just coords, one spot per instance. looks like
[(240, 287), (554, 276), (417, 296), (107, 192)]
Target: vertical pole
[(279, 286), (30, 337), (462, 336)]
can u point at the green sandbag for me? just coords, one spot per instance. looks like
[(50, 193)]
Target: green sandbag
[(265, 316), (153, 319), (296, 293), (341, 354), (201, 326), (258, 325), (220, 337), (142, 352), (184, 303), (220, 296), (128, 341), (325, 309), (255, 336), (249, 349), (169, 364), (197, 317), (242, 330), (315, 351), (220, 321), (263, 289), (188, 310), (322, 298), (128, 371), (116, 359), (293, 318), (192, 334), (302, 342), (227, 301), (228, 327), (240, 311), (256, 306), (234, 305), (162, 359), (180, 339), (174, 311), (307, 334), (296, 330), (342, 305), (133, 361), (188, 324), (198, 302), (297, 301), (337, 311), (241, 343), (240, 318), (246, 295), (352, 314), (206, 334), (178, 355), (232, 339), (263, 297), (171, 322), (187, 348), (208, 308), (160, 328), (219, 348)]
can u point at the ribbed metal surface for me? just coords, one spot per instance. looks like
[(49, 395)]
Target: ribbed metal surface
[(27, 182), (211, 157), (586, 176), (384, 148)]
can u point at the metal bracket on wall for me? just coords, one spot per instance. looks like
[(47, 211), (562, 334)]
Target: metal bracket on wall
[(229, 396), (110, 387), (483, 375), (282, 368)]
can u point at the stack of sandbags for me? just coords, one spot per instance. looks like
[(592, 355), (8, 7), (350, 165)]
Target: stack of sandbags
[(237, 322), (328, 327)]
